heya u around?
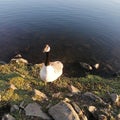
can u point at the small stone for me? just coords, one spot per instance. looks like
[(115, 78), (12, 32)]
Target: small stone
[(39, 94), (97, 65), (92, 109), (14, 108), (33, 109), (63, 111), (8, 117), (13, 87), (73, 89)]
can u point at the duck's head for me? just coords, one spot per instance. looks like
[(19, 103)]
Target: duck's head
[(46, 49)]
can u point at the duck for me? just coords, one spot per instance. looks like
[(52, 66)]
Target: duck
[(50, 71)]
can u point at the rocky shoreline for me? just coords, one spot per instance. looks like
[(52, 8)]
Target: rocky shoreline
[(23, 96)]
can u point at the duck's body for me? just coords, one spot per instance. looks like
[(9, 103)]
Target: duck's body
[(50, 71)]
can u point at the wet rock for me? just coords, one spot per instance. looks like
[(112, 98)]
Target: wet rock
[(88, 96), (18, 59), (39, 95), (14, 108), (97, 65), (63, 111), (33, 109), (8, 117), (86, 66), (73, 89), (2, 63)]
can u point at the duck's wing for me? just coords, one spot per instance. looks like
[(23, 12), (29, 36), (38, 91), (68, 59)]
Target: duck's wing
[(57, 65)]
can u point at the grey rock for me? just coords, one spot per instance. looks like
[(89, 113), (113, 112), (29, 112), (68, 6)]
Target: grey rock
[(14, 108), (93, 98), (2, 62), (33, 109), (8, 117), (79, 111), (114, 97), (63, 111)]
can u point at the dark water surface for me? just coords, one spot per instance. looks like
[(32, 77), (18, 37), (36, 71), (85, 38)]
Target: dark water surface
[(77, 30)]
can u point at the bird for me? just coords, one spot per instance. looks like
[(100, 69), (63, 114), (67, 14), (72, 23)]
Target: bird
[(50, 71)]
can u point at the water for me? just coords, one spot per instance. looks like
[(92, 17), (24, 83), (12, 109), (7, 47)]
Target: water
[(77, 30)]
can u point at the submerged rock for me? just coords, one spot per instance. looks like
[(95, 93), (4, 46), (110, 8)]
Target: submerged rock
[(33, 109), (86, 66), (63, 111)]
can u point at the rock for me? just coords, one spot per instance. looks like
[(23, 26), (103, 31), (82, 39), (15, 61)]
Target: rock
[(114, 97), (33, 109), (79, 111), (96, 66), (18, 59), (102, 117), (18, 56), (67, 100), (92, 109), (39, 95), (73, 89), (63, 111), (0, 97), (2, 63), (93, 98), (14, 108), (8, 117), (118, 117), (86, 66), (12, 87), (22, 106), (57, 95)]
